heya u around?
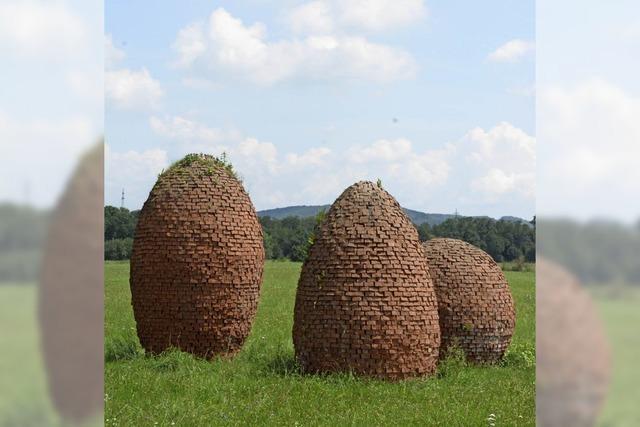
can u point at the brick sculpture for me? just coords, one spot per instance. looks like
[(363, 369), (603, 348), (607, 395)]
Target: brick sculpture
[(573, 366), (71, 295), (197, 261), (475, 305), (365, 302)]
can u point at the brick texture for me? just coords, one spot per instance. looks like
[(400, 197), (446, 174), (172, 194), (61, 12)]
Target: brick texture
[(197, 261), (573, 367), (475, 305), (365, 302), (71, 303)]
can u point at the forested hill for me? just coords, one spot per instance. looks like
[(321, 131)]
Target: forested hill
[(417, 217)]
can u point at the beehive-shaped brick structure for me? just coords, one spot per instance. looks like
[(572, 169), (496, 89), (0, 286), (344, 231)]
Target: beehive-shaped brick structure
[(197, 261), (573, 366), (71, 295), (365, 302), (475, 305)]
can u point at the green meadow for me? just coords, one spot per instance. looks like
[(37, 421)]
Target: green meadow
[(262, 385)]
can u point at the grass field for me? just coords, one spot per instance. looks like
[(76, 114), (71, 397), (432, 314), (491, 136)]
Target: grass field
[(24, 398), (262, 385), (621, 316)]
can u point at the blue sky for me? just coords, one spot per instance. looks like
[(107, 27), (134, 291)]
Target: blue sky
[(52, 104), (434, 98)]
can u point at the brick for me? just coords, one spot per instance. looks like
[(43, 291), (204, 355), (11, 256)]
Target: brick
[(476, 309), (364, 275), (197, 262)]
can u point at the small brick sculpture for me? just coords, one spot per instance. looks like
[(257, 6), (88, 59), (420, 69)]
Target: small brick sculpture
[(475, 305), (573, 366), (197, 260), (365, 302)]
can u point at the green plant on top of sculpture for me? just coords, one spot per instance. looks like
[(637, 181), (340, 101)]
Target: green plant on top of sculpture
[(206, 160)]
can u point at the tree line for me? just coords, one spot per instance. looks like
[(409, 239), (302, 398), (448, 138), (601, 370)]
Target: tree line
[(290, 237), (23, 231)]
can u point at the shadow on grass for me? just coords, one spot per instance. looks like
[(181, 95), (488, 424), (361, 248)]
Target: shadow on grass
[(121, 348), (282, 364)]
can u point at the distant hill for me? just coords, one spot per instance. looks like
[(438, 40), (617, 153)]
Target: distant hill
[(515, 219), (416, 217)]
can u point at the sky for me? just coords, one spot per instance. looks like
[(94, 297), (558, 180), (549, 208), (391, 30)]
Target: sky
[(588, 109), (52, 103), (435, 98)]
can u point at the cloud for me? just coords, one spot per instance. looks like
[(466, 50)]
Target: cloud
[(512, 51), (376, 15), (112, 55), (39, 28), (128, 89), (501, 160), (494, 165), (502, 144), (226, 45), (312, 157), (49, 146), (312, 18), (383, 150), (327, 16), (189, 131), (588, 162), (135, 171)]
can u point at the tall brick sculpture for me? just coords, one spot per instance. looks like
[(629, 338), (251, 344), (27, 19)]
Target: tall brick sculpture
[(573, 368), (70, 296), (475, 305), (365, 302), (197, 260)]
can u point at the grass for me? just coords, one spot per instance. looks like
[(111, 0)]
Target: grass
[(24, 397), (262, 385), (620, 314)]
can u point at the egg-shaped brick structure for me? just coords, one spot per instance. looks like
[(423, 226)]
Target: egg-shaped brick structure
[(71, 295), (365, 302), (197, 261), (475, 305), (573, 368)]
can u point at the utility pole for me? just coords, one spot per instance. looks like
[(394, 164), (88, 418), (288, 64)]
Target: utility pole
[(122, 200)]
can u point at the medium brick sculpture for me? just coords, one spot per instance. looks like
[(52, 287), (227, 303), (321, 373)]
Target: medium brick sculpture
[(197, 261), (573, 368), (475, 305), (365, 302)]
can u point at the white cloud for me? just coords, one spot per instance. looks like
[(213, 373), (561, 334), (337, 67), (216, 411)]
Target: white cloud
[(129, 89), (189, 131), (383, 150), (378, 15), (588, 162), (112, 55), (39, 154), (134, 171), (312, 157), (327, 16), (190, 44), (501, 160), (491, 165), (227, 45), (397, 160), (311, 18), (41, 28), (512, 51)]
